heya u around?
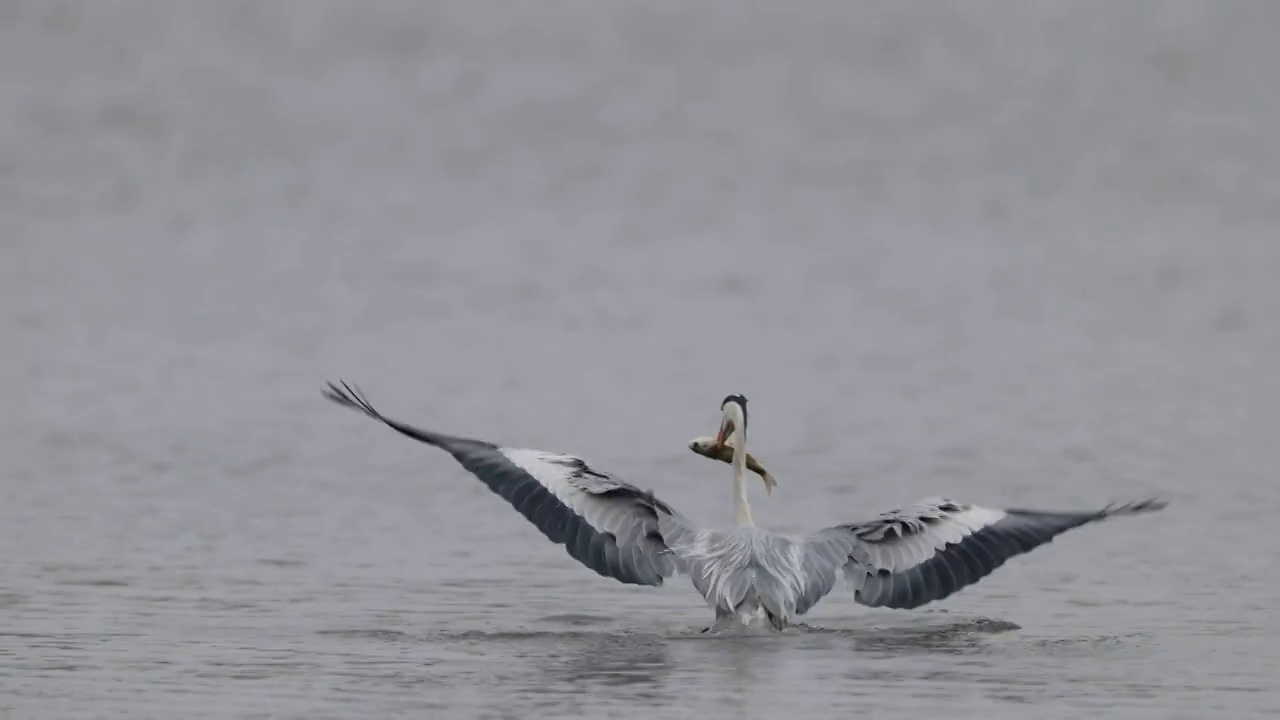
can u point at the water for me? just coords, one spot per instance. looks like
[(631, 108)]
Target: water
[(1017, 253)]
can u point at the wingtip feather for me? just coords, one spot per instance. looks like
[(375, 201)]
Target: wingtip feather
[(1136, 507), (351, 397)]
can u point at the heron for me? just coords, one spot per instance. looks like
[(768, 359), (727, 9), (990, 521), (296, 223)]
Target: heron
[(903, 558)]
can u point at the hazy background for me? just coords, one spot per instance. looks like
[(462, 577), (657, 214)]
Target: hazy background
[(1018, 253)]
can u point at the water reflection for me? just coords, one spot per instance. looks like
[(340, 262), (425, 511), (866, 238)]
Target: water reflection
[(961, 637), (635, 665), (557, 665)]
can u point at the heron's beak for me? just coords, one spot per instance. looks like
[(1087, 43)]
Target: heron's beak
[(726, 428)]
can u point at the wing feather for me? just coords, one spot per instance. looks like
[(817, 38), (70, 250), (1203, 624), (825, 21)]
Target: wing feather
[(911, 557), (608, 525)]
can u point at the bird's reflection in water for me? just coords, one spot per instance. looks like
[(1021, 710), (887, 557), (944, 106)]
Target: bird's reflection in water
[(912, 634), (736, 662), (960, 637), (595, 667)]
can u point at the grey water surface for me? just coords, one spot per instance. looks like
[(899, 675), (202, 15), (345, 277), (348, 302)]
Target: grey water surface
[(1017, 253)]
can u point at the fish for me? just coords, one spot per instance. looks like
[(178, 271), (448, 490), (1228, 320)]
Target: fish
[(705, 446)]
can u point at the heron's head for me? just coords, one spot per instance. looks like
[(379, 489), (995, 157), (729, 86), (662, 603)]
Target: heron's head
[(733, 416)]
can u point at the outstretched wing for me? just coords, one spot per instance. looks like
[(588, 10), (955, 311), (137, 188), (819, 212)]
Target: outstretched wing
[(909, 557), (604, 523)]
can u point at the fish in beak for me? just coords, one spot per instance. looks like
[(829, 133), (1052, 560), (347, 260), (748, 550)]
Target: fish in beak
[(720, 448)]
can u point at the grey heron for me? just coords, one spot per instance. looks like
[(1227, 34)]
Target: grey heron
[(903, 558)]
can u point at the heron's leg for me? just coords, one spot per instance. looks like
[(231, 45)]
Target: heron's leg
[(776, 621), (723, 617)]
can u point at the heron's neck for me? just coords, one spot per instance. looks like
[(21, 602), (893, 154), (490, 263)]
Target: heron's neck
[(741, 508)]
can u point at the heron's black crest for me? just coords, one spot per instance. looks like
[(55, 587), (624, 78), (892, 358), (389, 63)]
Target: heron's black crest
[(741, 400)]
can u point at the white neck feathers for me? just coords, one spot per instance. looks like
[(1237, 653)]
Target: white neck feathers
[(741, 508)]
